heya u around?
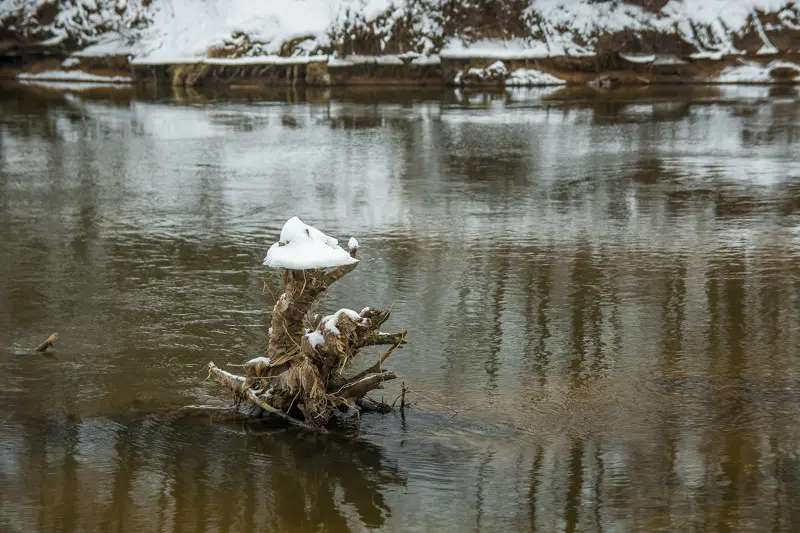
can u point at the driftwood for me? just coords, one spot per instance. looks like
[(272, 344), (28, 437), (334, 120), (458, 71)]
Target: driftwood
[(303, 377), (47, 343)]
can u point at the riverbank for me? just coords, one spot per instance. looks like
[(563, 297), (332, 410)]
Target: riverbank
[(412, 70), (231, 43)]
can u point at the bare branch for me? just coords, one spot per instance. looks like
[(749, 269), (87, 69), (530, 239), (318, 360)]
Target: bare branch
[(356, 389), (377, 366), (338, 273), (378, 338)]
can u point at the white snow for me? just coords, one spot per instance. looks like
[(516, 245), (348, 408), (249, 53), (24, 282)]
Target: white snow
[(331, 322), (352, 244), (261, 359), (530, 77), (638, 58), (495, 49), (315, 339), (303, 247), (73, 86), (350, 60), (52, 41), (427, 60), (263, 60), (70, 62), (495, 71), (714, 56), (668, 59), (768, 47), (388, 60), (168, 31), (187, 28), (73, 75), (752, 72)]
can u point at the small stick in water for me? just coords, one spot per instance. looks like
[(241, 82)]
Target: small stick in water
[(47, 343)]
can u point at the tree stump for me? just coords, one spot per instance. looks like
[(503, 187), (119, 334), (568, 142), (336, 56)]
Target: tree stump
[(303, 377)]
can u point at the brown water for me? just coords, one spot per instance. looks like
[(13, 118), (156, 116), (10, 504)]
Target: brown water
[(602, 293)]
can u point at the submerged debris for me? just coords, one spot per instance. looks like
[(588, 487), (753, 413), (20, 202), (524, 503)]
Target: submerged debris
[(47, 343)]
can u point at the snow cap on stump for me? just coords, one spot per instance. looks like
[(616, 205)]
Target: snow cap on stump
[(302, 247)]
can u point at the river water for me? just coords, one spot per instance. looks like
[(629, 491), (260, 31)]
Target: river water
[(602, 293)]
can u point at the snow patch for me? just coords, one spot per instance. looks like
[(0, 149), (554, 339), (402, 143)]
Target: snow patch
[(331, 322), (495, 72), (315, 339), (530, 77), (351, 60), (427, 60), (74, 86), (668, 59), (73, 75), (70, 62), (638, 58), (352, 244), (752, 72), (495, 49), (713, 56), (261, 359), (263, 60), (302, 247), (767, 48)]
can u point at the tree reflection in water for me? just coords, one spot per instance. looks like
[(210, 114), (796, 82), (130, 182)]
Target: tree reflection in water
[(184, 473)]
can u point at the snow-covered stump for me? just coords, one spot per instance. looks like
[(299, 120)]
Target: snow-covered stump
[(303, 378)]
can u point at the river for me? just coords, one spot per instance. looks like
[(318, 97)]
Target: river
[(601, 289)]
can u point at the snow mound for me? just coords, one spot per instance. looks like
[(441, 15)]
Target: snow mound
[(315, 339), (303, 247), (331, 322), (752, 72), (530, 77), (495, 72)]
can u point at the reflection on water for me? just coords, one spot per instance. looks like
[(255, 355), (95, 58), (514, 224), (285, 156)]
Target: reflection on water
[(601, 290), (151, 474)]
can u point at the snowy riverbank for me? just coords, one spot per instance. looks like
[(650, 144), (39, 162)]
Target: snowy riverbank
[(324, 42)]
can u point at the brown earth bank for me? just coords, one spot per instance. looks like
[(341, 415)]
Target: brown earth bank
[(371, 71)]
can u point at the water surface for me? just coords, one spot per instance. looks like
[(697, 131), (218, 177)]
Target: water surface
[(602, 293)]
